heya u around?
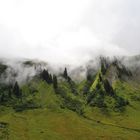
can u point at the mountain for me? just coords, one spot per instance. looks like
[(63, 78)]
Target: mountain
[(133, 63), (88, 102)]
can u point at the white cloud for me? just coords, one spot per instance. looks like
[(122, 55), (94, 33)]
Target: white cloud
[(68, 31)]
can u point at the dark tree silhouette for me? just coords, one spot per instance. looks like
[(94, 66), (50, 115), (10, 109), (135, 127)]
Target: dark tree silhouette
[(55, 84), (46, 76), (50, 79), (104, 64), (100, 77), (103, 69), (16, 90), (89, 77), (69, 79), (65, 74), (108, 88)]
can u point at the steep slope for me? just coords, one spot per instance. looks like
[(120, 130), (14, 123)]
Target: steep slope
[(101, 93)]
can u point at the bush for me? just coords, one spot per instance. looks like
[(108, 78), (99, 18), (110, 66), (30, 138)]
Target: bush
[(120, 102), (73, 104), (96, 98), (21, 106)]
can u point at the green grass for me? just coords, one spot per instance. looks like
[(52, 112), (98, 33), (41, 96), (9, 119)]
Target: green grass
[(51, 122), (44, 94), (45, 124)]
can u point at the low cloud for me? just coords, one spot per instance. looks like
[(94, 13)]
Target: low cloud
[(69, 32)]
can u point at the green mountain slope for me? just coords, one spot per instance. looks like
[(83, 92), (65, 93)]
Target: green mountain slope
[(106, 105)]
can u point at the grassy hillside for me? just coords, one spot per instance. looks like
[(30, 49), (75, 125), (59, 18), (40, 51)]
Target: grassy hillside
[(104, 106), (64, 124)]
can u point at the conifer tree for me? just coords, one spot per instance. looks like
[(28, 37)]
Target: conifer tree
[(55, 84), (50, 79), (16, 90), (46, 76), (65, 74)]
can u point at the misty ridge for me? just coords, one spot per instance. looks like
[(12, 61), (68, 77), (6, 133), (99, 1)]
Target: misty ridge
[(23, 70), (72, 38)]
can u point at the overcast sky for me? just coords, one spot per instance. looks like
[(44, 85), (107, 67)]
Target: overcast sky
[(69, 31)]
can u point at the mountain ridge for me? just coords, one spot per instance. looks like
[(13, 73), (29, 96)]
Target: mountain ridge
[(105, 98)]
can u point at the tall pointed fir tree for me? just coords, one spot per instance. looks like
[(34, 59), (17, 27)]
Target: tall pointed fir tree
[(65, 74), (16, 90), (55, 83)]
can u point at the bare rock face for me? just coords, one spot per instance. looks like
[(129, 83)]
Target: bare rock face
[(112, 74), (115, 70)]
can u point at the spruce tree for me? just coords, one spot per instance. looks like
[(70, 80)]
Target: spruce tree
[(16, 90), (103, 69), (65, 74), (46, 76), (50, 79), (55, 84)]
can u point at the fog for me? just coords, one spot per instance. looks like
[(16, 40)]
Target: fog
[(69, 31)]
